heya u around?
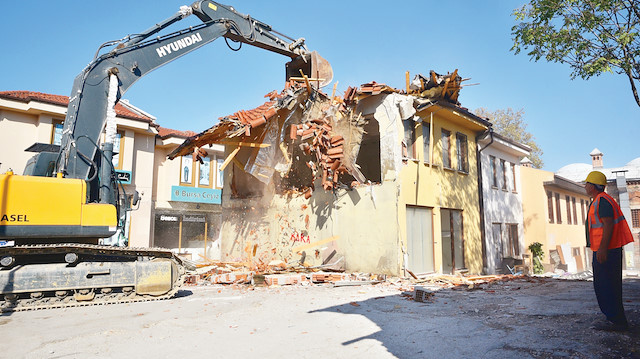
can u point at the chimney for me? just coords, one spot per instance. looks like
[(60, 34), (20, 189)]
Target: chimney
[(596, 158), (526, 162)]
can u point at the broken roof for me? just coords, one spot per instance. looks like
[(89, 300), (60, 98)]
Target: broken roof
[(304, 121)]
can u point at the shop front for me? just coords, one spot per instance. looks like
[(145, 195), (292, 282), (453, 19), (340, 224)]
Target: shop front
[(191, 224)]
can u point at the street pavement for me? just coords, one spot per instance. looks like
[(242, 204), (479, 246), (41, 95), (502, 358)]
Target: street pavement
[(521, 318)]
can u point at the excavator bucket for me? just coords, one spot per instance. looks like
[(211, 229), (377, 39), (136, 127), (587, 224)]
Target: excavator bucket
[(316, 68)]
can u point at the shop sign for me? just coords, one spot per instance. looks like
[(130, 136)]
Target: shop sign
[(123, 177), (168, 218), (196, 195), (196, 219)]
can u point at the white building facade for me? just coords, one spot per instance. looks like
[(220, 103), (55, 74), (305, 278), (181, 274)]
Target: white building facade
[(501, 200)]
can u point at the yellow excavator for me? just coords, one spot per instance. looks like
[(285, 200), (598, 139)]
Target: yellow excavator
[(53, 215)]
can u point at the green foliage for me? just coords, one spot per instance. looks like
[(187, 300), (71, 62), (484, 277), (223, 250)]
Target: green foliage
[(592, 36), (510, 124), (537, 254)]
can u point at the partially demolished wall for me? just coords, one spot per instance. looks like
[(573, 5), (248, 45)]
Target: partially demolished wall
[(312, 180)]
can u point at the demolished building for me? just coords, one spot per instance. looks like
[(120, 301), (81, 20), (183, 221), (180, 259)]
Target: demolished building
[(381, 180)]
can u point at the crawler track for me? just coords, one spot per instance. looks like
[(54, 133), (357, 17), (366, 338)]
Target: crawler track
[(108, 287)]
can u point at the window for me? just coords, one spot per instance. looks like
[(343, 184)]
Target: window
[(204, 180), (635, 218), (426, 140), (550, 205), (504, 174), (56, 133), (582, 201), (513, 175), (513, 245), (446, 149), (575, 213), (494, 171), (567, 199), (118, 148), (409, 139), (186, 170), (220, 175), (202, 175), (558, 214), (462, 152)]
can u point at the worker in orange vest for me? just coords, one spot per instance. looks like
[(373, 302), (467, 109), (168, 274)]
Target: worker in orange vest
[(607, 232)]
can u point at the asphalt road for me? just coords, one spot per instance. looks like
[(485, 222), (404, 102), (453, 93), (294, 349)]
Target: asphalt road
[(534, 318)]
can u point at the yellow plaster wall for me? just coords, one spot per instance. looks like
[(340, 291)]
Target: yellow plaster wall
[(19, 130), (536, 215), (431, 185)]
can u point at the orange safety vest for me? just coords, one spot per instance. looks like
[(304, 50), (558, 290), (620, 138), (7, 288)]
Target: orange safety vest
[(621, 232)]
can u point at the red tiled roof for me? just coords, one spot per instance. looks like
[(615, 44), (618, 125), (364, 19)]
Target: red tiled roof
[(254, 116), (27, 96), (164, 132)]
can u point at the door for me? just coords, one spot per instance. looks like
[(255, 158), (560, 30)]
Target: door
[(420, 239), (494, 249), (452, 240)]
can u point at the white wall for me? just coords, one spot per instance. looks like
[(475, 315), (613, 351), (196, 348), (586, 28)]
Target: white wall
[(500, 206)]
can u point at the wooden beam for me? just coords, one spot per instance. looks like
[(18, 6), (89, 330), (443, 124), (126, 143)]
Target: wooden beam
[(303, 79), (229, 159), (306, 81), (244, 144), (238, 163), (407, 80), (333, 93), (283, 148)]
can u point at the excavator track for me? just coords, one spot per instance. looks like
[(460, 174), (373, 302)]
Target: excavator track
[(45, 276)]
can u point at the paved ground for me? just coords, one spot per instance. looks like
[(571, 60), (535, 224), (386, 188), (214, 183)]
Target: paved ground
[(534, 318)]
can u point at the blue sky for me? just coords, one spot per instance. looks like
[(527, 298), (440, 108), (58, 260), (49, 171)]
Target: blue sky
[(46, 44)]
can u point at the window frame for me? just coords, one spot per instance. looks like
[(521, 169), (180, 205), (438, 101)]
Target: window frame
[(513, 179), (462, 154), (558, 209), (446, 134), (55, 122), (575, 212), (513, 241), (200, 165), (503, 167), (567, 199), (494, 171), (426, 141), (550, 207), (635, 218), (411, 147), (182, 167), (219, 173)]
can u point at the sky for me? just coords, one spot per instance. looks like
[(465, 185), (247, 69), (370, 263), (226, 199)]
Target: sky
[(46, 44)]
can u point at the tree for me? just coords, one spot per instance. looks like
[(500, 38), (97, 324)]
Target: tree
[(592, 36), (510, 124)]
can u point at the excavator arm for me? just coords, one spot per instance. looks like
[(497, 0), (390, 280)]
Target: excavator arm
[(138, 54), (51, 225)]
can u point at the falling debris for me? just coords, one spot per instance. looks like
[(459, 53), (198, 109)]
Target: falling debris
[(305, 136), (295, 162)]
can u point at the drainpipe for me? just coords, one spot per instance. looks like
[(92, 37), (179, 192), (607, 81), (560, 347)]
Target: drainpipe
[(480, 195)]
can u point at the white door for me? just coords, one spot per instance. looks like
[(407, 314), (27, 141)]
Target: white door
[(420, 239)]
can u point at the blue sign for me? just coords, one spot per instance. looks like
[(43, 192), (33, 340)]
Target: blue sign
[(124, 177), (197, 195)]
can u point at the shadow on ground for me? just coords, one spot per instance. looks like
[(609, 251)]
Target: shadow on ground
[(543, 318)]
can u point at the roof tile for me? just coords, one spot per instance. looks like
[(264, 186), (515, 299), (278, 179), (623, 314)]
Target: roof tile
[(27, 96)]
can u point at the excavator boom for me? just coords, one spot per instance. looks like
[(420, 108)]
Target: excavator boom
[(66, 201)]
